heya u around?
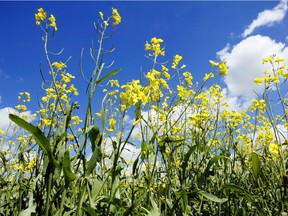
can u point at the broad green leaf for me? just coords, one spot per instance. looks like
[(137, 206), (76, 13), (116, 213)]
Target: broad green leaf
[(68, 174), (255, 164), (183, 198), (212, 197), (39, 136), (95, 137), (88, 209), (202, 176), (96, 140), (155, 210), (28, 211), (112, 73), (233, 187)]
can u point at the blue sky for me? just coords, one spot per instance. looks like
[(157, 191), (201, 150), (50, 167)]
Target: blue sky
[(241, 32)]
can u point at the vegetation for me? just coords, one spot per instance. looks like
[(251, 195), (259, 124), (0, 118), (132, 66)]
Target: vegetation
[(194, 154)]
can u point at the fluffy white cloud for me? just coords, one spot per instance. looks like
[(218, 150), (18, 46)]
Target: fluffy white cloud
[(267, 18), (244, 61)]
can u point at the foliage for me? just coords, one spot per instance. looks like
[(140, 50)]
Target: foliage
[(194, 154)]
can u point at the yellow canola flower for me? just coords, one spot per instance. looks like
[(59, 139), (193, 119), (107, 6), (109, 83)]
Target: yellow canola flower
[(155, 47), (258, 81), (112, 124), (116, 17), (52, 19), (264, 60), (188, 77), (208, 76), (177, 59), (101, 15), (59, 65), (274, 148), (76, 120), (223, 69), (66, 78), (46, 122), (21, 107), (278, 60), (40, 16), (2, 132)]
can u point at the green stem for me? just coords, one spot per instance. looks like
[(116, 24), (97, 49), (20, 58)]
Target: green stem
[(49, 186)]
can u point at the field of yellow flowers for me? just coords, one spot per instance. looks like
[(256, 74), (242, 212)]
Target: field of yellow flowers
[(196, 155)]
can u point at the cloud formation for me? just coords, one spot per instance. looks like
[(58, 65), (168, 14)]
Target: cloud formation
[(6, 124), (267, 18), (244, 61)]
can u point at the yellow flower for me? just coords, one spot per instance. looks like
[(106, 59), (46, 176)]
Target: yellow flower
[(116, 17), (177, 59), (73, 89), (21, 107), (155, 47), (223, 69), (101, 15), (274, 148), (264, 60), (278, 60), (2, 132), (40, 16), (147, 46), (208, 76), (188, 77), (52, 19), (76, 120), (258, 81), (59, 65), (106, 23), (46, 122), (112, 123)]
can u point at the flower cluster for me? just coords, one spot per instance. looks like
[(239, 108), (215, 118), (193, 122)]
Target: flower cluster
[(41, 16), (155, 47)]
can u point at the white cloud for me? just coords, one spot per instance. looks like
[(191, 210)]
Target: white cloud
[(244, 61), (5, 122), (267, 18)]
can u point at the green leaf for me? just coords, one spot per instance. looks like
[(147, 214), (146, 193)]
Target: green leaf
[(213, 197), (112, 73), (95, 137), (154, 210), (185, 162), (39, 136), (233, 187), (183, 198), (96, 140), (255, 164), (202, 176), (88, 209), (135, 166), (28, 212), (68, 174)]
